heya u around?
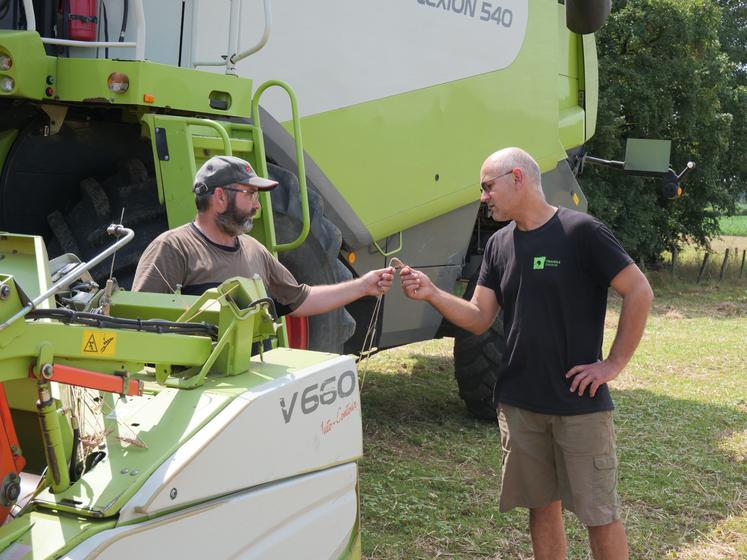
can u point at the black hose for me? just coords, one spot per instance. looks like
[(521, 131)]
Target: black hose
[(160, 326), (66, 24), (270, 301), (73, 470), (4, 8), (105, 321), (20, 16), (106, 29), (124, 21)]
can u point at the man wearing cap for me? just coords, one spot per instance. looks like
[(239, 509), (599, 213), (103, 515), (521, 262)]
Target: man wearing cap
[(212, 248)]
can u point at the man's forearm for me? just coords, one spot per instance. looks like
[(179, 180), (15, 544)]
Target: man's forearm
[(460, 312), (322, 299), (633, 314)]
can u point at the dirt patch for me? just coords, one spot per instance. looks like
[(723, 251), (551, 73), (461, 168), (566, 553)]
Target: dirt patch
[(729, 241), (731, 309), (672, 313)]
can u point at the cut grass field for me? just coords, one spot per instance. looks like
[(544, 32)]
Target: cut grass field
[(430, 476)]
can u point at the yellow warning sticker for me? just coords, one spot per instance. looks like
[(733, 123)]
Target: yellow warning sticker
[(99, 343), (576, 199)]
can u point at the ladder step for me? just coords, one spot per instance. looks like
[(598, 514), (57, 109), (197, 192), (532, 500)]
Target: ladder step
[(241, 145)]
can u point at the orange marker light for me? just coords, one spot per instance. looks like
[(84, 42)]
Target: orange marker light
[(351, 257), (149, 98)]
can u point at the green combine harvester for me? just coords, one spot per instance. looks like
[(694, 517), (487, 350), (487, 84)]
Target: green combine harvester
[(141, 422), (131, 422)]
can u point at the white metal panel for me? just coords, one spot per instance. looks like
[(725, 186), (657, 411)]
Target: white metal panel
[(312, 516), (306, 421), (338, 53)]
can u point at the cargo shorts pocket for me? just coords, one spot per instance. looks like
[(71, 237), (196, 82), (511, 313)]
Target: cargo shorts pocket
[(605, 479)]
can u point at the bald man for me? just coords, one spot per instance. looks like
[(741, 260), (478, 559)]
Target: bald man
[(549, 271)]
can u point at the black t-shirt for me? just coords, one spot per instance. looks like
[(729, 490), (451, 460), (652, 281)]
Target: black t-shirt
[(552, 285)]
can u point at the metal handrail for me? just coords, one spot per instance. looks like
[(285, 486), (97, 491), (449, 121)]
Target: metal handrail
[(299, 157), (393, 251), (138, 44), (194, 121), (234, 34), (262, 41), (125, 235)]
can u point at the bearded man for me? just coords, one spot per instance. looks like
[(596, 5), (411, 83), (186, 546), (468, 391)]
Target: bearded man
[(204, 253)]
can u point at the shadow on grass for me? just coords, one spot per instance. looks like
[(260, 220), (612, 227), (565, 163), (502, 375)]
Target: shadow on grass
[(413, 388), (679, 477)]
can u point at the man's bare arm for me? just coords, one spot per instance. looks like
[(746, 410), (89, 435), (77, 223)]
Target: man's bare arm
[(637, 295), (475, 315), (322, 299)]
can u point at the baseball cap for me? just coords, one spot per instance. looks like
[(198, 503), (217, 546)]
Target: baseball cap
[(221, 171)]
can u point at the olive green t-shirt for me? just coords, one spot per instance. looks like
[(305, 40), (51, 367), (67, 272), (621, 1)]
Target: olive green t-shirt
[(185, 256)]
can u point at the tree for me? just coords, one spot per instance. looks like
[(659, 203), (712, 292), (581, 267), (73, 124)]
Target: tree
[(664, 74)]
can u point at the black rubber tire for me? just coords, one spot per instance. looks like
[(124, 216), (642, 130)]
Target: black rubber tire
[(316, 261), (476, 362), (82, 228)]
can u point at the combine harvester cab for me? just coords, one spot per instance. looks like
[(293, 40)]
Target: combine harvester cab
[(151, 428)]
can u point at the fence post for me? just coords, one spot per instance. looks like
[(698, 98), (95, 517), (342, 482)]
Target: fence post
[(741, 268), (703, 266), (724, 265)]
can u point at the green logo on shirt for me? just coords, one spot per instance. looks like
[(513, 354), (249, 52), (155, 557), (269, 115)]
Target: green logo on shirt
[(540, 263)]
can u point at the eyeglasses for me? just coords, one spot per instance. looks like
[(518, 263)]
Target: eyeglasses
[(485, 186), (253, 195)]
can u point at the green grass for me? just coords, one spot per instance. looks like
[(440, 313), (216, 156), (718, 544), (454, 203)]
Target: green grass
[(734, 225), (430, 476)]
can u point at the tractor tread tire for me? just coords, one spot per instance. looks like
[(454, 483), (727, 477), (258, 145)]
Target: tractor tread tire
[(316, 261), (477, 359), (82, 230), (62, 234)]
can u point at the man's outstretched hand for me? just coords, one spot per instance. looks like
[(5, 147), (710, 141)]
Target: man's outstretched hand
[(416, 284), (378, 282)]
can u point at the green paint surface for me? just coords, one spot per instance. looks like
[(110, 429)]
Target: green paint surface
[(42, 534), (84, 80), (402, 160)]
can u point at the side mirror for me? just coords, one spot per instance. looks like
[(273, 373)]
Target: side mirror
[(586, 16), (651, 157), (646, 158)]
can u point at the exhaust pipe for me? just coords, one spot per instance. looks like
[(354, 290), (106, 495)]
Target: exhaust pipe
[(586, 16)]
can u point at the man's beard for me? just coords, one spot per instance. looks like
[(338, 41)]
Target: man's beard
[(234, 221)]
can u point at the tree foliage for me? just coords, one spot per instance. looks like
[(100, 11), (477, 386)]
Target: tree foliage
[(672, 69)]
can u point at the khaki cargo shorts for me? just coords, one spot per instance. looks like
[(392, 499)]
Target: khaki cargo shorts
[(568, 458)]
